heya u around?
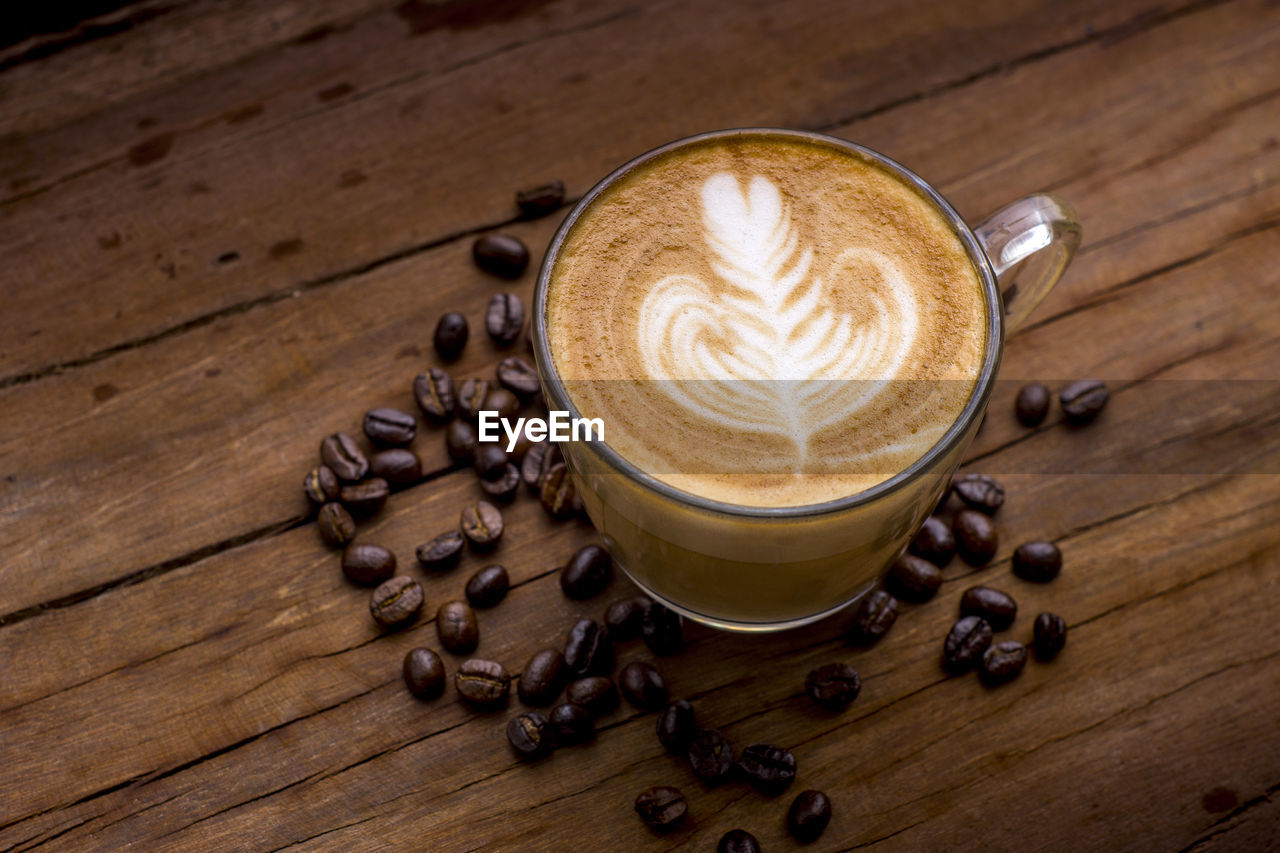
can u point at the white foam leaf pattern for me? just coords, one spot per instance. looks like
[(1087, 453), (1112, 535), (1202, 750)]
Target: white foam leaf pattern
[(772, 323)]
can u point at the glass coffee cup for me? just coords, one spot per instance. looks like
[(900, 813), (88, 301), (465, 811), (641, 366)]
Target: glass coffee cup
[(765, 568)]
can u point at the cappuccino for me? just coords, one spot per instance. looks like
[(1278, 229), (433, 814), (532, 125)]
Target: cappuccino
[(766, 320)]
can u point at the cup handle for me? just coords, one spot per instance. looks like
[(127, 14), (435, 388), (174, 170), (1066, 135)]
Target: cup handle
[(1029, 244)]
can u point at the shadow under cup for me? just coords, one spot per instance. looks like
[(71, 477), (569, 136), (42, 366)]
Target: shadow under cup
[(763, 568)]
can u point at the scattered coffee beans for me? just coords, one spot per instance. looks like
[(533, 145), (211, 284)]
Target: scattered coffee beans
[(913, 579), (539, 201), (529, 735), (643, 686), (483, 683), (875, 615), (768, 768), (979, 492), (441, 553), (488, 586), (336, 525), (1032, 405), (711, 756), (506, 485), (662, 629), (976, 537), (571, 723), (587, 573), (1003, 662), (540, 459), (557, 493), (434, 392), (460, 441), (500, 254), (661, 808), (504, 318), (398, 466), (738, 841), (588, 649), (625, 619), (599, 695), (833, 685), (491, 461), (519, 377), (396, 601), (341, 453), (502, 401), (451, 335), (424, 673), (1039, 562), (482, 525), (1050, 632), (365, 498), (368, 565), (808, 816), (457, 628), (998, 608), (470, 398), (320, 485), (1082, 401), (677, 726), (934, 542), (965, 644), (390, 427)]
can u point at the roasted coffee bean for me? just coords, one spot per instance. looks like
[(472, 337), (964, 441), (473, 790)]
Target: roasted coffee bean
[(529, 735), (542, 678), (483, 683), (460, 440), (368, 565), (875, 615), (457, 627), (588, 649), (482, 525), (625, 619), (677, 726), (320, 485), (488, 586), (587, 573), (341, 453), (557, 492), (738, 841), (1050, 631), (643, 686), (539, 201), (998, 608), (491, 460), (662, 629), (399, 467), (976, 537), (424, 673), (913, 579), (934, 542), (470, 397), (1039, 562), (441, 553), (335, 524), (390, 427), (1032, 405), (979, 492), (521, 447), (502, 401), (599, 695), (833, 685), (808, 816), (396, 601), (571, 723), (661, 808), (504, 318), (451, 335), (365, 498), (711, 756), (540, 459), (965, 643), (505, 487), (434, 392), (518, 376), (500, 254), (1082, 401), (1003, 662), (768, 768)]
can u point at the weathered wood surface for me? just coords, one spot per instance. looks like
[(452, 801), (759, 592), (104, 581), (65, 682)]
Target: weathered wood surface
[(186, 667)]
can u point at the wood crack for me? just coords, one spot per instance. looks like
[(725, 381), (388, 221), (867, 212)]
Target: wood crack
[(1222, 824)]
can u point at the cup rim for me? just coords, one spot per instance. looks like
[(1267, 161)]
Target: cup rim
[(993, 346)]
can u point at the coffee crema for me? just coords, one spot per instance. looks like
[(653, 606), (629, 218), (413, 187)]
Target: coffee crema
[(765, 319)]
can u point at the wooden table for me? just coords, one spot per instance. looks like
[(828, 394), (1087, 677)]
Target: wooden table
[(228, 230)]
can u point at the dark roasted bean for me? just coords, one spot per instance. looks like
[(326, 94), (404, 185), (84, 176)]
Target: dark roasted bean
[(398, 466), (625, 618), (434, 392), (368, 565), (808, 816), (588, 649), (335, 524), (738, 841), (320, 485), (913, 579), (1082, 401), (976, 537), (711, 756), (662, 629), (491, 461), (1003, 662), (505, 487), (483, 683), (661, 808), (557, 492), (1050, 631), (470, 396), (504, 319), (441, 553), (542, 678), (540, 459), (875, 615), (540, 201), (643, 686), (482, 525), (599, 695), (529, 735), (934, 542), (998, 608), (460, 440), (451, 335), (518, 376), (571, 723), (587, 573), (965, 643), (390, 427), (1039, 562), (1032, 404), (502, 401), (341, 453), (768, 768), (488, 586), (833, 685), (396, 601), (677, 726), (365, 498), (424, 673), (457, 627), (500, 254), (979, 492)]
